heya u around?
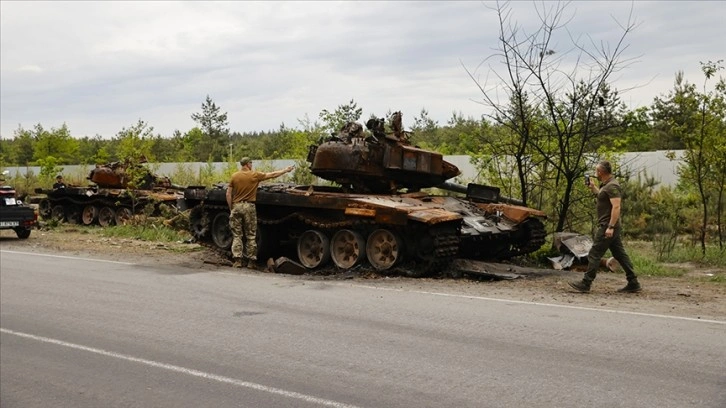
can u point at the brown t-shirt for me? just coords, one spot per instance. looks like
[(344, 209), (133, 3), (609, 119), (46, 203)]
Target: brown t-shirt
[(609, 189), (244, 185)]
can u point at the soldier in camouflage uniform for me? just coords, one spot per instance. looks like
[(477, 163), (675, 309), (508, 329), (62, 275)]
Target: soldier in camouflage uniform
[(241, 197), (608, 234)]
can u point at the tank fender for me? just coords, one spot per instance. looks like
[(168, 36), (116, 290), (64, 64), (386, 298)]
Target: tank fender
[(515, 213)]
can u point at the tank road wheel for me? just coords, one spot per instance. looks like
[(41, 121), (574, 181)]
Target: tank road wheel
[(123, 215), (58, 213), (221, 234), (384, 249), (199, 223), (73, 214), (106, 216), (44, 208), (89, 214), (347, 248), (313, 249)]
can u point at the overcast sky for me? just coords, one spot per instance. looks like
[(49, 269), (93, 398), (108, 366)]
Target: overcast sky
[(101, 66)]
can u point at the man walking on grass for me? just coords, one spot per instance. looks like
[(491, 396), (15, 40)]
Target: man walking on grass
[(609, 231)]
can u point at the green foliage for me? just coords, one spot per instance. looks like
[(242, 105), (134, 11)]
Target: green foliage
[(135, 142), (183, 175), (229, 169), (302, 173), (648, 266), (698, 121), (208, 176), (688, 252), (190, 145), (425, 130), (94, 150), (49, 168), (22, 148), (56, 142), (334, 121), (647, 209), (213, 124)]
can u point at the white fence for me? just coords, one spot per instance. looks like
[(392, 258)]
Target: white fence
[(655, 164)]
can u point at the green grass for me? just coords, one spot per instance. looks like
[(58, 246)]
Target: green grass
[(713, 257), (151, 232), (646, 264), (645, 259)]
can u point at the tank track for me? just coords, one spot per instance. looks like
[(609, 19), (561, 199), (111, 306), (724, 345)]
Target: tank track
[(437, 258), (201, 225), (532, 240), (444, 251)]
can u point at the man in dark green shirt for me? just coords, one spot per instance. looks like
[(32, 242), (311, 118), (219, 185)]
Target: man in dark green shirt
[(608, 234)]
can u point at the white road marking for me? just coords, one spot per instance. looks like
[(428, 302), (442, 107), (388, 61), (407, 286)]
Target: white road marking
[(187, 371), (524, 302), (67, 257), (521, 302)]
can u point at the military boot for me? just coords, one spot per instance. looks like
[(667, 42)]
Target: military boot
[(633, 286), (580, 286), (252, 264), (237, 263)]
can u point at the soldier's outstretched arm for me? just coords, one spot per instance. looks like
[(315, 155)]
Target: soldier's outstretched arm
[(278, 173)]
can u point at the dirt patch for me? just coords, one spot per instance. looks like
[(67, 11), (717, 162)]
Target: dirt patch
[(694, 295)]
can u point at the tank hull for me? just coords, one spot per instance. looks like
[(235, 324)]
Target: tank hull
[(102, 206), (418, 232), (120, 191)]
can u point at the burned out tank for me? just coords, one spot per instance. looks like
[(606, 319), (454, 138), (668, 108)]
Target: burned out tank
[(118, 190), (376, 211)]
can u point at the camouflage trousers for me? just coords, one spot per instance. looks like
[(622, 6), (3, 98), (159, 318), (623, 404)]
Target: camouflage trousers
[(243, 224), (600, 245)]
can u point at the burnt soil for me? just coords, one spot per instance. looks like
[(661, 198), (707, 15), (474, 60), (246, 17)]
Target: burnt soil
[(696, 294)]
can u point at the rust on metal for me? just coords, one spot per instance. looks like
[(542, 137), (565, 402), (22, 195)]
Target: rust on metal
[(515, 213), (433, 215), (361, 212)]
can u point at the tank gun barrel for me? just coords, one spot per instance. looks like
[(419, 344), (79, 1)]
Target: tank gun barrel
[(479, 192), (449, 186)]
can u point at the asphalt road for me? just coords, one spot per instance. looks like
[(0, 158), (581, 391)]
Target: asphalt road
[(85, 333)]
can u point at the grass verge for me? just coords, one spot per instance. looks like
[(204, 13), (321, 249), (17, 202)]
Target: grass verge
[(152, 232)]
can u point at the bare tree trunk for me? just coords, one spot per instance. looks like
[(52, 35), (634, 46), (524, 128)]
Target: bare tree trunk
[(719, 210), (565, 209)]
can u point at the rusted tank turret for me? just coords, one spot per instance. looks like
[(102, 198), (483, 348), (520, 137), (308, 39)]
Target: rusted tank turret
[(378, 162), (121, 175)]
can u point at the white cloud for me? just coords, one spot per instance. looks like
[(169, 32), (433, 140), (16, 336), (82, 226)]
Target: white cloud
[(30, 68), (100, 66)]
